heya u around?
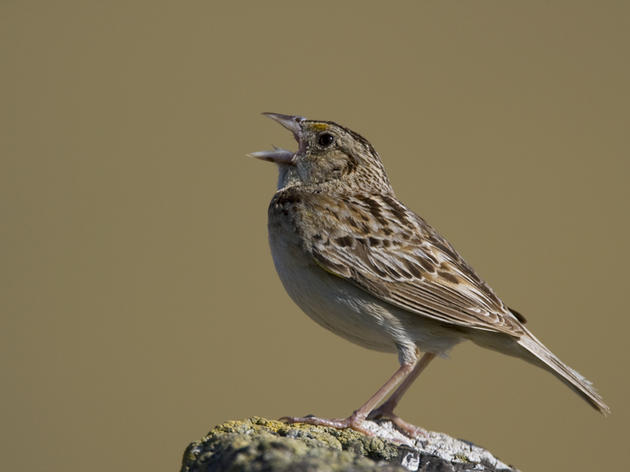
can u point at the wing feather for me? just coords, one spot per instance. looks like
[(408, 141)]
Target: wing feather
[(392, 253)]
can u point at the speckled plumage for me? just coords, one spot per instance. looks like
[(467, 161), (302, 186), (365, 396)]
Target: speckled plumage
[(362, 264), (377, 243)]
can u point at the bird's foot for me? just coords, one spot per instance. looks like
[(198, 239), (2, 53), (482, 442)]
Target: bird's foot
[(403, 426), (354, 421)]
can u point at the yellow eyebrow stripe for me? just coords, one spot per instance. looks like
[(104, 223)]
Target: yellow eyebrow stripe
[(319, 126)]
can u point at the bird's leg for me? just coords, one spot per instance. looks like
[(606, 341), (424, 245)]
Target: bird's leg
[(386, 410), (356, 420)]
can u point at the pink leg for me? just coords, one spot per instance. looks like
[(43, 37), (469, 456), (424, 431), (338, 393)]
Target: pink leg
[(356, 419), (386, 410)]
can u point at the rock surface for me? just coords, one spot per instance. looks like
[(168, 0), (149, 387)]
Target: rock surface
[(258, 444)]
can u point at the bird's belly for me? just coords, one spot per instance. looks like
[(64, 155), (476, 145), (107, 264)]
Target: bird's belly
[(349, 311), (331, 301)]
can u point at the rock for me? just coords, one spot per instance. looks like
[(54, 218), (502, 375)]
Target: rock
[(258, 444)]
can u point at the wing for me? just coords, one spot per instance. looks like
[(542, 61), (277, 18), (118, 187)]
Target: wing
[(392, 253)]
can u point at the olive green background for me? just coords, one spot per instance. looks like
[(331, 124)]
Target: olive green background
[(140, 305)]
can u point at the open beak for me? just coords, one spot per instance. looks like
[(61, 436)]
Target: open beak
[(278, 155), (292, 123)]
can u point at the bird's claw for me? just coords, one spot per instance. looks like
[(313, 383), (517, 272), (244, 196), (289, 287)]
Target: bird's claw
[(403, 426)]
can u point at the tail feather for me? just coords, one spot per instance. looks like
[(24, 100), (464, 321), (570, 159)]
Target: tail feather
[(576, 382)]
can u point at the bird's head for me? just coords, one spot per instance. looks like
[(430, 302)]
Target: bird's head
[(328, 154)]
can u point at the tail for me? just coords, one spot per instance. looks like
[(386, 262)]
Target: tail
[(544, 358)]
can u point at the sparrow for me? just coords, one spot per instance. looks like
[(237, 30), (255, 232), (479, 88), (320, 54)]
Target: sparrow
[(361, 264)]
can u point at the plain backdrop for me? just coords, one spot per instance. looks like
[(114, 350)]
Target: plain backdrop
[(139, 303)]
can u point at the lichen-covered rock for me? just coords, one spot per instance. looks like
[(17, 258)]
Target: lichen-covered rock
[(258, 444)]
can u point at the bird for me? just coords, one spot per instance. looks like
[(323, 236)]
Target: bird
[(363, 265)]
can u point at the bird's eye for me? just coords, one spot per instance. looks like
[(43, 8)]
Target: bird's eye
[(325, 139)]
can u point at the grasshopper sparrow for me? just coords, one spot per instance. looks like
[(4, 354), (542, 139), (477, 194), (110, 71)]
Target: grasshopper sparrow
[(361, 264)]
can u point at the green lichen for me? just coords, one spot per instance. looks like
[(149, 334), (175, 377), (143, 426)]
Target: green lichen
[(462, 457), (258, 444)]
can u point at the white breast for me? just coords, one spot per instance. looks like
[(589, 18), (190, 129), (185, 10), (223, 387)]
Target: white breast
[(349, 311)]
